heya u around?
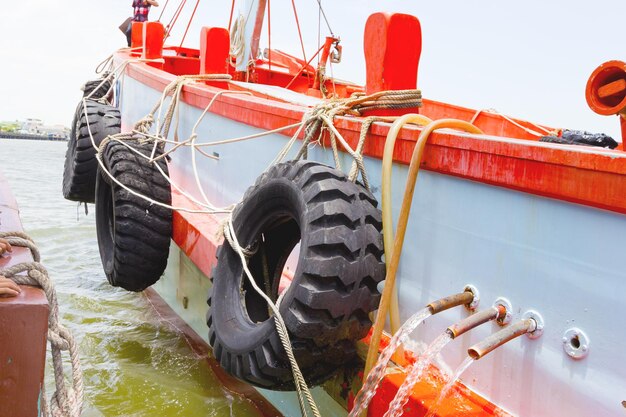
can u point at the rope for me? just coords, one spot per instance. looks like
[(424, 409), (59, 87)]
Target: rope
[(365, 127), (189, 23), (281, 328), (319, 2), (230, 18), (106, 65), (510, 120), (295, 13), (269, 36), (163, 10), (237, 40), (314, 123), (111, 74), (140, 134), (66, 401), (321, 118), (170, 25)]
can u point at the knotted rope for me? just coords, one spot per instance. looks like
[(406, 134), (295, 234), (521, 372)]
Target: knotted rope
[(321, 118), (66, 401)]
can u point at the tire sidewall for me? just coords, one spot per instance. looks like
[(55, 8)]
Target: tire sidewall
[(105, 223)]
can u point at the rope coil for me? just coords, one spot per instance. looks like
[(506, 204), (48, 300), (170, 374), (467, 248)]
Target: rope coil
[(67, 401)]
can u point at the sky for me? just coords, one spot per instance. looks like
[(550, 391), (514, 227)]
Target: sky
[(527, 59)]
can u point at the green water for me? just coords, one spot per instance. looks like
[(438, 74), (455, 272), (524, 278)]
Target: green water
[(133, 365)]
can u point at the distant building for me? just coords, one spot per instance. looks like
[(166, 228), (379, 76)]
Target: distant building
[(32, 126), (36, 127)]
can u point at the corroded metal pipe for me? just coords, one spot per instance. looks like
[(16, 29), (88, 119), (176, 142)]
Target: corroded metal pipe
[(498, 339), (445, 303), (476, 320)]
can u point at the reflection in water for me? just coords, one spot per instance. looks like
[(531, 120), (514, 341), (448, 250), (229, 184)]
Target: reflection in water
[(133, 365)]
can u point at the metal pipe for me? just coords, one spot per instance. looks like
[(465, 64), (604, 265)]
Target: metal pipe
[(445, 303), (476, 320), (498, 339)]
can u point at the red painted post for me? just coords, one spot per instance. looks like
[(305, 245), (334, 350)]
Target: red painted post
[(214, 51), (153, 36), (136, 36), (393, 45), (23, 328)]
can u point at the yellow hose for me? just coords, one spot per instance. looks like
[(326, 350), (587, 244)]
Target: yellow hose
[(393, 262), (390, 142)]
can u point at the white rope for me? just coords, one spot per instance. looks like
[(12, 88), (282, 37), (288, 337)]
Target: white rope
[(510, 120), (67, 401), (194, 135), (314, 122), (113, 73), (238, 40)]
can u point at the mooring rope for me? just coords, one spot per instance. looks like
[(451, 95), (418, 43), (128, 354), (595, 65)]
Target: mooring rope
[(321, 118), (301, 385), (314, 123), (67, 401)]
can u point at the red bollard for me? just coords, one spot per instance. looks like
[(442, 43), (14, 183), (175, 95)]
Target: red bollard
[(153, 36), (214, 51), (136, 37), (393, 45), (23, 328)]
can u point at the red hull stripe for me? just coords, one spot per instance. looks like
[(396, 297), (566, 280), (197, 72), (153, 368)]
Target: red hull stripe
[(577, 174)]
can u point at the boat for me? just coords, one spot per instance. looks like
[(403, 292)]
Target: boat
[(22, 370), (30, 319), (203, 161)]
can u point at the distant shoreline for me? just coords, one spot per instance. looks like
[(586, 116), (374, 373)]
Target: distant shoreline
[(28, 136)]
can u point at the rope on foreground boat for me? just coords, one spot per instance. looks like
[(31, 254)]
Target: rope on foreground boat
[(301, 385), (322, 116), (66, 401), (111, 74), (314, 123)]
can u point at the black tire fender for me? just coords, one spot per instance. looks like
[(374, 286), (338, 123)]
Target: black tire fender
[(334, 286), (133, 234), (81, 166), (97, 89)]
